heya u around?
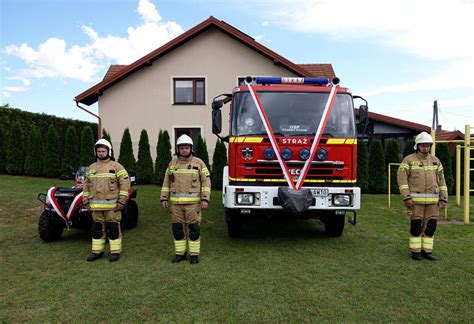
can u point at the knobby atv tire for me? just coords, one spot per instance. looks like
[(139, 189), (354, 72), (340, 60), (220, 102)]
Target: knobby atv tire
[(334, 225), (234, 222), (49, 228), (130, 215)]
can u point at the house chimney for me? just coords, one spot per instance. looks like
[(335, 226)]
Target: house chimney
[(438, 128)]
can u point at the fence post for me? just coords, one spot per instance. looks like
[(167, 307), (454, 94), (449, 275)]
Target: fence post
[(458, 175), (467, 171)]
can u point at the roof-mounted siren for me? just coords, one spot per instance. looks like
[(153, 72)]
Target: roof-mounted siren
[(293, 80)]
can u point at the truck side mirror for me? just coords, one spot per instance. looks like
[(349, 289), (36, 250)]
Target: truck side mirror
[(363, 114), (217, 104), (216, 120)]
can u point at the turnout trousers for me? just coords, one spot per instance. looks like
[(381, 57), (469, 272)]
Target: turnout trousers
[(106, 224)]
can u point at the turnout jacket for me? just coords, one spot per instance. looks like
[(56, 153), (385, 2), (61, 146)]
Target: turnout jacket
[(187, 181), (106, 183), (420, 178)]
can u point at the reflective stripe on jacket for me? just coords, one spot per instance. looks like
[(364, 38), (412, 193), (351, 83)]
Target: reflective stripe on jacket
[(421, 178), (187, 181), (106, 183)]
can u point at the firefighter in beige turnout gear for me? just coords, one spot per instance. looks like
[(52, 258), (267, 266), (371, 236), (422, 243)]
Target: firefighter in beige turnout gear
[(423, 187), (106, 189), (187, 186)]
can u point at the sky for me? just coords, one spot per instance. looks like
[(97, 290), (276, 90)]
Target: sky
[(400, 55)]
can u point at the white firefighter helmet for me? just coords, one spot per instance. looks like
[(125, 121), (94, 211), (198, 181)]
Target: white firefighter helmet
[(184, 140), (423, 138), (103, 143)]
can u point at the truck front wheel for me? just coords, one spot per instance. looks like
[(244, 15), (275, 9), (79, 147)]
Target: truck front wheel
[(334, 225), (234, 223)]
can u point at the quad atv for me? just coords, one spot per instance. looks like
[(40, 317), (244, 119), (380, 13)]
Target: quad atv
[(63, 209)]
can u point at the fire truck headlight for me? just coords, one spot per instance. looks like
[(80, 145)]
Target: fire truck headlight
[(341, 200), (304, 154), (269, 153), (322, 154), (286, 154), (245, 198)]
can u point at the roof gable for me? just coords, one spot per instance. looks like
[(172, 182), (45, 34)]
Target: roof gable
[(116, 74)]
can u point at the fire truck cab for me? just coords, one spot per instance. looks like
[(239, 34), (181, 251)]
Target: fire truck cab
[(293, 110)]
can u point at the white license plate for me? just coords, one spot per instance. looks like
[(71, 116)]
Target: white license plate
[(320, 192)]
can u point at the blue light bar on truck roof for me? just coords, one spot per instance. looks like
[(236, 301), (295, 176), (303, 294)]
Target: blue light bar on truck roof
[(290, 80)]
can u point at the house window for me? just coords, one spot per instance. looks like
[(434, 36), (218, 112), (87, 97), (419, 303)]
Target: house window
[(193, 132), (189, 91)]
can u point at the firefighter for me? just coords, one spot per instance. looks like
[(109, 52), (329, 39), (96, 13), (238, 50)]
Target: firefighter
[(187, 186), (423, 187), (106, 189)]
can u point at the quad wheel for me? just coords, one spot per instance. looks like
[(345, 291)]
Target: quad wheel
[(49, 227), (130, 215)]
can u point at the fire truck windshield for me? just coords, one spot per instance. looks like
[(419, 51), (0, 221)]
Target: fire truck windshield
[(292, 114)]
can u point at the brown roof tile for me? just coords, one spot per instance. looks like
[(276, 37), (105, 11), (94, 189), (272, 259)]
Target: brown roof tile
[(113, 69), (319, 70)]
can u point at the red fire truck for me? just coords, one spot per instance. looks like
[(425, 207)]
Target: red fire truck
[(292, 148)]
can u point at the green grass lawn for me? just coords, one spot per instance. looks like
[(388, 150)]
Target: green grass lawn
[(279, 271)]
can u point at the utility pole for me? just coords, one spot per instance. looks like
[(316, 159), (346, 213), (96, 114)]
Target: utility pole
[(435, 116)]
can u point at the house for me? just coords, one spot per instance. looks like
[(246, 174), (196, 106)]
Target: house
[(172, 87)]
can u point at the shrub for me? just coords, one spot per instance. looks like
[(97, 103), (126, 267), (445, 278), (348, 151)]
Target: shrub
[(219, 161), (377, 170), (15, 150), (144, 163), (70, 161), (51, 157), (201, 150), (163, 155), (3, 151), (87, 155), (34, 153), (106, 135), (409, 147), (443, 155), (126, 157), (392, 155), (362, 167)]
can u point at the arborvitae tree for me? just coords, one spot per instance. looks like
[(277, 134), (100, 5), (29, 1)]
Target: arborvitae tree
[(144, 163), (51, 157), (87, 147), (126, 157), (15, 150), (362, 167), (34, 153), (106, 135), (201, 150), (409, 147), (219, 161), (392, 155), (163, 155), (3, 151), (377, 169), (443, 155), (70, 158)]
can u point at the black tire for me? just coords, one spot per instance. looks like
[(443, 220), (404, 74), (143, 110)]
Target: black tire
[(49, 227), (234, 222), (130, 215), (334, 225)]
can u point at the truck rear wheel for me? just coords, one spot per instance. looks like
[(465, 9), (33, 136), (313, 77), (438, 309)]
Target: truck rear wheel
[(50, 229), (234, 223), (334, 225)]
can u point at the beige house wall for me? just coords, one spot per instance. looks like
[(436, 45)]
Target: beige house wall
[(144, 100)]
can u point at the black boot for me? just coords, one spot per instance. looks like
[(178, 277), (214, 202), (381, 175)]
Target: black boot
[(94, 256), (416, 256), (428, 256), (194, 259), (178, 258), (114, 257)]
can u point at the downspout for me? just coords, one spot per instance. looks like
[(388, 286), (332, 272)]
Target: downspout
[(99, 123)]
